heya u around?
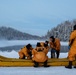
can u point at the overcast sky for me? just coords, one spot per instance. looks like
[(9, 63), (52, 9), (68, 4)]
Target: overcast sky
[(36, 16)]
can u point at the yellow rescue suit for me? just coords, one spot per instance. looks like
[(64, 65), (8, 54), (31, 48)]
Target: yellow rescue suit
[(55, 45), (40, 54), (24, 52), (72, 51)]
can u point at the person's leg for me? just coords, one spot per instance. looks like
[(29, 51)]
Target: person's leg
[(52, 53), (36, 64), (75, 62), (75, 65), (45, 64), (71, 58), (30, 54), (22, 57), (57, 53), (69, 66)]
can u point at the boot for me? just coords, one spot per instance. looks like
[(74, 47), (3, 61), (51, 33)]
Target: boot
[(74, 66), (57, 53), (45, 64), (69, 66), (36, 64)]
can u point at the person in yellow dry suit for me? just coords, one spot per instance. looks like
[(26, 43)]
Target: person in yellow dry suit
[(55, 46), (72, 51), (40, 55), (26, 52)]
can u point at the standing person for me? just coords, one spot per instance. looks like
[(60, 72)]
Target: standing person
[(39, 55), (26, 52), (72, 51), (55, 46)]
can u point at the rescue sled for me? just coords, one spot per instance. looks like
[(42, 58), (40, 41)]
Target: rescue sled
[(15, 62)]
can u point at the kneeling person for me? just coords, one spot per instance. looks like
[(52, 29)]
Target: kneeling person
[(26, 52), (39, 55)]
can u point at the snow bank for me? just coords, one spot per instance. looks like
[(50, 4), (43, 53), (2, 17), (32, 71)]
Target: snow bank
[(14, 54)]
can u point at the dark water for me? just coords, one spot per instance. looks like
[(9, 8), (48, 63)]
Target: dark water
[(10, 48), (18, 47)]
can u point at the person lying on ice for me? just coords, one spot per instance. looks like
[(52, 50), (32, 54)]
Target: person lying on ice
[(55, 46), (72, 51), (40, 55), (26, 51)]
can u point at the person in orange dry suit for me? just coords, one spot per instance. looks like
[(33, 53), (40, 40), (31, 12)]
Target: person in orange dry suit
[(26, 52), (72, 51), (55, 46), (40, 55)]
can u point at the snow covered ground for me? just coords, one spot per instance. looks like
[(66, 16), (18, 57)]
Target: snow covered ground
[(31, 70), (14, 54), (34, 71)]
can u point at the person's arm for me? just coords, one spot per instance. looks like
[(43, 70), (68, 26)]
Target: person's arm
[(57, 45), (26, 53), (51, 45), (34, 52), (72, 37)]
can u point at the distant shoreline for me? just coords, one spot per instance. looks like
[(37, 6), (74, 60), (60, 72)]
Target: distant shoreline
[(18, 47)]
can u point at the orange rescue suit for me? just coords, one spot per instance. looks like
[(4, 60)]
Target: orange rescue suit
[(55, 45), (40, 54), (24, 52), (72, 51)]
